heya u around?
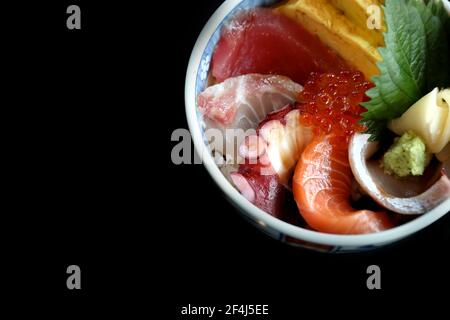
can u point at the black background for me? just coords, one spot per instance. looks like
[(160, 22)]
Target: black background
[(93, 183)]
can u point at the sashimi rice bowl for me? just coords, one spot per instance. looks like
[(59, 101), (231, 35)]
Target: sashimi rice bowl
[(326, 122)]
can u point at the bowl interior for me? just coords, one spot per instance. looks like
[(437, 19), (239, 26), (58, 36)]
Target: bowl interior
[(197, 81)]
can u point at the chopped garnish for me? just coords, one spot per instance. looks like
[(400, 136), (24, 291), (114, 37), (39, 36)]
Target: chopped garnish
[(407, 156)]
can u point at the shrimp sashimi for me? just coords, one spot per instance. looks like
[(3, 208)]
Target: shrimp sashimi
[(322, 187)]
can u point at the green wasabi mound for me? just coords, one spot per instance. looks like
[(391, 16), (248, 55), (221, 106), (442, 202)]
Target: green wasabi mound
[(407, 156)]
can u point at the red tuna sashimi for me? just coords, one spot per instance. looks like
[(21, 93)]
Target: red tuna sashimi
[(263, 41), (242, 102)]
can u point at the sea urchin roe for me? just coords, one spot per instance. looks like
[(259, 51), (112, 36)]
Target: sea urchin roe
[(331, 102)]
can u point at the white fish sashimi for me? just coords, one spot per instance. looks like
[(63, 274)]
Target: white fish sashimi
[(240, 103)]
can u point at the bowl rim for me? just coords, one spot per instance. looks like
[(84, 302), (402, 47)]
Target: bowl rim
[(250, 209)]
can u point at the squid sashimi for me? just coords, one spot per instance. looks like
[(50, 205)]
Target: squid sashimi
[(322, 186), (264, 41)]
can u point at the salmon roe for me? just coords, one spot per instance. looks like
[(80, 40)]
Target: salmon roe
[(331, 102)]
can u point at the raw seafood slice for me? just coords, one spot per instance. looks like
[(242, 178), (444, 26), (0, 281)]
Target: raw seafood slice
[(322, 186), (263, 190), (263, 41), (270, 157), (238, 105), (242, 102), (413, 195), (335, 24), (281, 139)]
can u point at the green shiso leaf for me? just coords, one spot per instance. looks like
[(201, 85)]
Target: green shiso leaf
[(414, 61)]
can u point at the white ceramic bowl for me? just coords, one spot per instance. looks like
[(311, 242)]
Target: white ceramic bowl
[(196, 79)]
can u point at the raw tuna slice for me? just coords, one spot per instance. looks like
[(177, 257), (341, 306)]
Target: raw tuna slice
[(263, 41)]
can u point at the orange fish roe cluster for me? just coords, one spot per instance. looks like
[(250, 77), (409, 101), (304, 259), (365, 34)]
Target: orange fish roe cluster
[(331, 102)]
